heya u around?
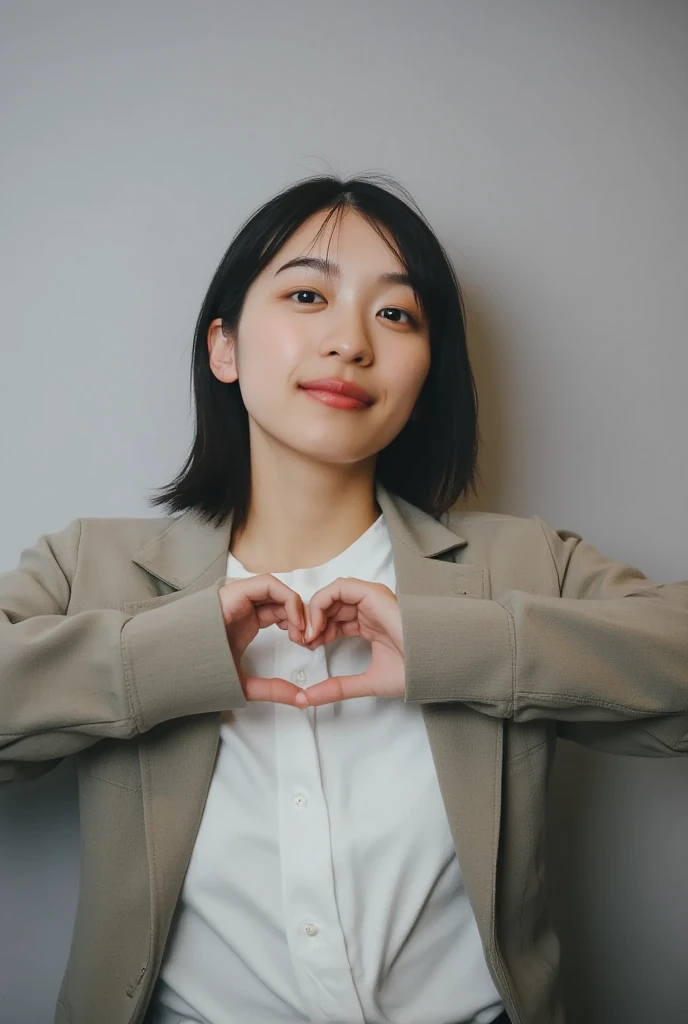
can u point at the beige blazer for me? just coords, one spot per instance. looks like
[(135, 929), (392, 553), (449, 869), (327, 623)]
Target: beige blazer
[(113, 650)]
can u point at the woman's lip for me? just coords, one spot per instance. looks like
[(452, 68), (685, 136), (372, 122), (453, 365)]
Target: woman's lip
[(335, 400)]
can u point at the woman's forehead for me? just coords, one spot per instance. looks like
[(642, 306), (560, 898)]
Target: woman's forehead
[(358, 235)]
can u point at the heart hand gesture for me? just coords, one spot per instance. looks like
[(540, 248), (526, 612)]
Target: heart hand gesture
[(347, 607)]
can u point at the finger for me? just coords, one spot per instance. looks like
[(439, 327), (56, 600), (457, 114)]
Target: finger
[(338, 621), (297, 636), (330, 632), (276, 691), (329, 612), (330, 601), (266, 589), (337, 688), (272, 613), (344, 623), (275, 614)]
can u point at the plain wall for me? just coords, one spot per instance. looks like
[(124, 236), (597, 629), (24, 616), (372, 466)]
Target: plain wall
[(547, 145)]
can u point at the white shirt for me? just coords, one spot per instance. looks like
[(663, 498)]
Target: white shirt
[(323, 885)]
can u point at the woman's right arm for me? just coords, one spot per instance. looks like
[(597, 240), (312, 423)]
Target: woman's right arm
[(67, 681)]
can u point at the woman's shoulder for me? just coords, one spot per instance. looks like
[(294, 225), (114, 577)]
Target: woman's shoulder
[(474, 524), (100, 537), (515, 547), (134, 529)]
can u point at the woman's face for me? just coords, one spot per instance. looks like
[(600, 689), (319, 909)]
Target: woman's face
[(297, 326)]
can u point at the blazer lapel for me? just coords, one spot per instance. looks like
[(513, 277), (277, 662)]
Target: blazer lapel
[(178, 757), (466, 746)]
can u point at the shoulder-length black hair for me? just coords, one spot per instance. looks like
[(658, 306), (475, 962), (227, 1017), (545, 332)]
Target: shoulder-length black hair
[(432, 462)]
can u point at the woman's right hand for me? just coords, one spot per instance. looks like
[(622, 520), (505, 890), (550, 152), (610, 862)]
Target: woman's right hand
[(249, 605)]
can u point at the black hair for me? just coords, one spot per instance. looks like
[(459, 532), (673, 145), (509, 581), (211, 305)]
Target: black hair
[(432, 462)]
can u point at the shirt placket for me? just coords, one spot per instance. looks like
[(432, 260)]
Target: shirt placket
[(314, 932)]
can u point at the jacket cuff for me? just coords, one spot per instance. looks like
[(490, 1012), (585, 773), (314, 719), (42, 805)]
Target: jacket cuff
[(177, 661), (458, 649)]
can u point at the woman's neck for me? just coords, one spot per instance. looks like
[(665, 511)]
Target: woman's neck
[(301, 519)]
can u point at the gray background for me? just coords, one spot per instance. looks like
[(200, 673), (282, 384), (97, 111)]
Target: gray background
[(547, 145)]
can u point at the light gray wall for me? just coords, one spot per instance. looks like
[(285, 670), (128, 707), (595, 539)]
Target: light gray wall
[(547, 145)]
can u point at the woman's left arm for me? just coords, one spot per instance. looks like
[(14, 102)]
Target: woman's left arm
[(607, 659)]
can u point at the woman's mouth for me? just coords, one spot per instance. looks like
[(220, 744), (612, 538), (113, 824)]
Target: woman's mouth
[(334, 400)]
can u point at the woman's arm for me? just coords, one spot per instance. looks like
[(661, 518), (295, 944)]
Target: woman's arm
[(612, 648), (67, 681)]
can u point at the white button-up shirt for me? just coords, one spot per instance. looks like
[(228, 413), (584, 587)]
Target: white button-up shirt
[(323, 884)]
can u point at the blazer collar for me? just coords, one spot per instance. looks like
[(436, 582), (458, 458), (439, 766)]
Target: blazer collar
[(191, 551)]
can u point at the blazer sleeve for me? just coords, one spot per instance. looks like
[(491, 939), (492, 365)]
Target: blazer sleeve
[(607, 659), (69, 680)]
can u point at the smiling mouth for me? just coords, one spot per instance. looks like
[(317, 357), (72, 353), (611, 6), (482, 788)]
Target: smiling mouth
[(335, 400)]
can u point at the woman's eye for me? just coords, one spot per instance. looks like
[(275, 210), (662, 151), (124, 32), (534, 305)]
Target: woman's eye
[(304, 291), (391, 309)]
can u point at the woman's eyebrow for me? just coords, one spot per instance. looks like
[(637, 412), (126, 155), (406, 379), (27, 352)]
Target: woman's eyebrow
[(332, 270)]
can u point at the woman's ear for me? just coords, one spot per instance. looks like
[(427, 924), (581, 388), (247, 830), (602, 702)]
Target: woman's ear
[(222, 353)]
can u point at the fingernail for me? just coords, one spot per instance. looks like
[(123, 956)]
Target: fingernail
[(301, 699)]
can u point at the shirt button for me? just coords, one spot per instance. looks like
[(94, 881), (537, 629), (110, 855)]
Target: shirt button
[(299, 676), (300, 800), (310, 929)]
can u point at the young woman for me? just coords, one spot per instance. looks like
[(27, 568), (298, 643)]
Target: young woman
[(314, 707)]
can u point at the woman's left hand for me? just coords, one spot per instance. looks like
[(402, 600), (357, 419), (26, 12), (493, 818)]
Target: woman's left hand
[(352, 607)]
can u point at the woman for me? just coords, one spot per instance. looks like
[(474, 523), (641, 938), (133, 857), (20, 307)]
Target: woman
[(257, 845)]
